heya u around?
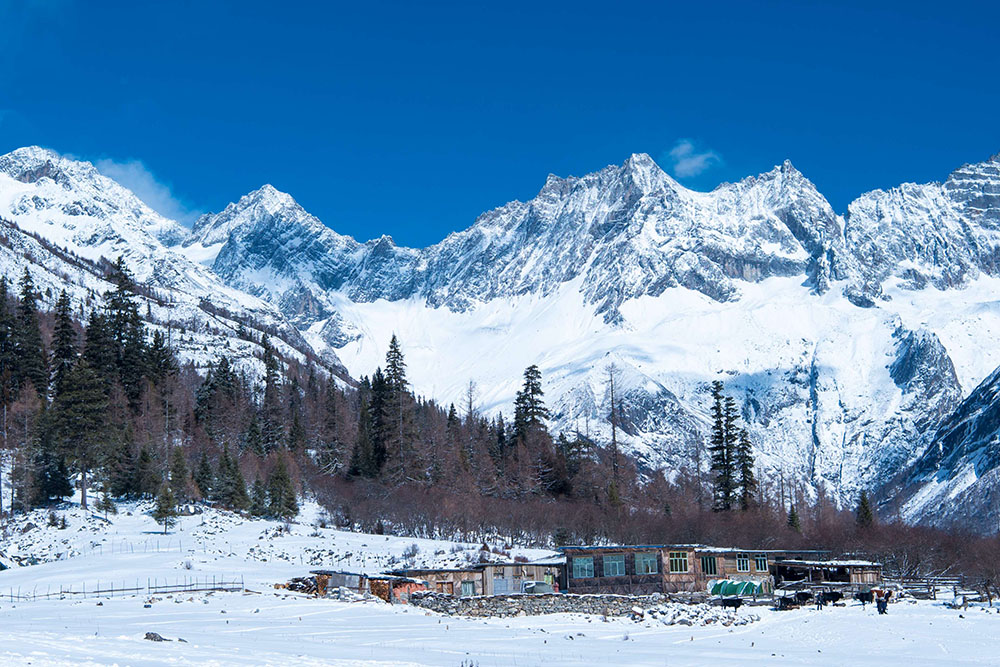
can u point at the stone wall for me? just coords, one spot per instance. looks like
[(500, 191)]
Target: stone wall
[(535, 605)]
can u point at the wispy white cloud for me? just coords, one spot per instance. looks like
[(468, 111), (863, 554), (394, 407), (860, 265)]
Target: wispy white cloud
[(159, 196), (686, 159)]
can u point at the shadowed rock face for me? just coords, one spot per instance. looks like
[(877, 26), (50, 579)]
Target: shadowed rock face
[(957, 479)]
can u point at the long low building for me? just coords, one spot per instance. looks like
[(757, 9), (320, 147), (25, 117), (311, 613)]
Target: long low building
[(668, 568), (792, 573), (502, 578)]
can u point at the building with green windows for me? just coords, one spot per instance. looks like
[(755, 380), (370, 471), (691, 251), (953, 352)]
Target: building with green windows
[(668, 568)]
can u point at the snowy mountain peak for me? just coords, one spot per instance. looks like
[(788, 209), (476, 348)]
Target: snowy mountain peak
[(31, 164)]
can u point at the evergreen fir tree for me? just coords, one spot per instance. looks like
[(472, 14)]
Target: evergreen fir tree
[(29, 360), (98, 348), (160, 362), (230, 488), (105, 504), (272, 430), (395, 366), (64, 342), (203, 476), (281, 493), (259, 505), (296, 434), (744, 464), (864, 514), (530, 412), (165, 511), (793, 520), (126, 331), (146, 479), (721, 452), (79, 420), (363, 456), (120, 464), (51, 478), (253, 439), (179, 474), (7, 352)]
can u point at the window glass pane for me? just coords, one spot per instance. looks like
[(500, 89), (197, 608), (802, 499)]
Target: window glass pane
[(708, 565), (761, 562), (614, 566), (583, 567), (743, 562), (645, 563), (468, 588), (678, 561)]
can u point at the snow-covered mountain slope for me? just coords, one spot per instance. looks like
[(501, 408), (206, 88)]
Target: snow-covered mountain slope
[(957, 479), (843, 337), (50, 204)]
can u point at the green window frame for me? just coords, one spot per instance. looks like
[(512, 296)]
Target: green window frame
[(646, 563), (709, 566), (583, 567), (742, 562), (614, 565), (760, 562), (468, 588), (678, 562)]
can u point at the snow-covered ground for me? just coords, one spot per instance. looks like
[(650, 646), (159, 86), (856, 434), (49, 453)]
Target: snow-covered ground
[(276, 628), (265, 626)]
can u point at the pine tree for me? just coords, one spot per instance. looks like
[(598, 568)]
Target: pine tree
[(272, 429), (98, 348), (160, 362), (119, 463), (146, 480), (64, 340), (793, 520), (79, 420), (253, 439), (721, 452), (395, 366), (105, 503), (281, 493), (179, 474), (259, 505), (744, 464), (530, 412), (230, 488), (296, 434), (203, 476), (51, 478), (363, 456), (127, 333), (165, 511), (864, 514), (29, 352)]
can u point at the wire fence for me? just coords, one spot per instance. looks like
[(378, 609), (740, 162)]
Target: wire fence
[(153, 586)]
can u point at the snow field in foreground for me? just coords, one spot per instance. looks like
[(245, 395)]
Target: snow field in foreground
[(274, 629), (271, 627)]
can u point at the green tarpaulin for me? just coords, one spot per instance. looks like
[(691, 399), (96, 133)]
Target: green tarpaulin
[(730, 587)]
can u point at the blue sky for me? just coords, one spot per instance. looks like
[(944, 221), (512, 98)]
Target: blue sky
[(410, 119)]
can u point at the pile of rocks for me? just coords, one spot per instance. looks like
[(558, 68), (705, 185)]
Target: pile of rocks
[(535, 605), (694, 614)]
